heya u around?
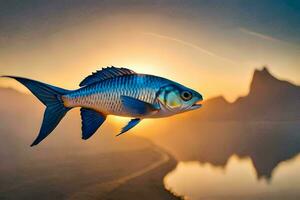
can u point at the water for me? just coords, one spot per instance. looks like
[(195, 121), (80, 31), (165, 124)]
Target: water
[(260, 162), (238, 180)]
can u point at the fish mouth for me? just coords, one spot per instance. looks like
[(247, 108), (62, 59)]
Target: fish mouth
[(196, 105)]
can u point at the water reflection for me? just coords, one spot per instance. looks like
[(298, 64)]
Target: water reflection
[(257, 160), (236, 181), (265, 143)]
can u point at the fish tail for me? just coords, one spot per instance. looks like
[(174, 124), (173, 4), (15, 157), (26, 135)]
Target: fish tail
[(51, 97)]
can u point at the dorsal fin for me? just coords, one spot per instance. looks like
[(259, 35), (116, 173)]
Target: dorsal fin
[(104, 74)]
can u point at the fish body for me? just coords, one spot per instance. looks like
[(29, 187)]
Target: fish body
[(105, 96), (112, 91)]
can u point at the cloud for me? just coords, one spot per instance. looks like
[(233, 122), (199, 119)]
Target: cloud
[(268, 38), (188, 44), (260, 35)]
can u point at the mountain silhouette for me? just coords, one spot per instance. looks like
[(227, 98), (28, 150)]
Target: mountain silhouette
[(263, 125), (65, 165), (20, 118), (268, 99)]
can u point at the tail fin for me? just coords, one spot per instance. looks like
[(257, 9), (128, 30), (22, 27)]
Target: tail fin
[(50, 96)]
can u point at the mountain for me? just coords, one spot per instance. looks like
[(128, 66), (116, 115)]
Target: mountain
[(268, 99), (20, 120), (263, 126), (66, 167)]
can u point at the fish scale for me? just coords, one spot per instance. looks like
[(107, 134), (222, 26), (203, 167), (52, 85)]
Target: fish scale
[(105, 96)]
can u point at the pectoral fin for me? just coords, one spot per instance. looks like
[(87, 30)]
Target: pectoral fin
[(130, 125), (137, 107), (91, 121)]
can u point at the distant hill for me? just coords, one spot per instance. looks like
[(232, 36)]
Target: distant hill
[(251, 127), (268, 99), (263, 125), (65, 165), (20, 120)]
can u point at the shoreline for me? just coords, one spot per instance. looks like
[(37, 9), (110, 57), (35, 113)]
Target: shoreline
[(149, 185), (145, 184)]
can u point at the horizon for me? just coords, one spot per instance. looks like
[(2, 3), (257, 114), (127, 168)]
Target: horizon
[(22, 89)]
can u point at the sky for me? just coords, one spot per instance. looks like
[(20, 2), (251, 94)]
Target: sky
[(211, 46)]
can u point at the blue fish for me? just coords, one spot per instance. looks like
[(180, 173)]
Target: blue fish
[(112, 91)]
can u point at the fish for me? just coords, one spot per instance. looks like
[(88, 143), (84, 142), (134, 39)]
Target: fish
[(112, 91)]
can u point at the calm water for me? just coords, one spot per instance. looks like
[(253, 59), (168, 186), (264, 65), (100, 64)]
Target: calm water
[(258, 163), (238, 180)]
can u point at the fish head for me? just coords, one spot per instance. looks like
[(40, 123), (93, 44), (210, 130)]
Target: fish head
[(176, 98)]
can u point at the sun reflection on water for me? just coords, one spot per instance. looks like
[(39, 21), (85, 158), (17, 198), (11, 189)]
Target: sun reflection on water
[(238, 180)]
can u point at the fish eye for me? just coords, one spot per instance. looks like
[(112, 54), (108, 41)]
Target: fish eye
[(186, 95)]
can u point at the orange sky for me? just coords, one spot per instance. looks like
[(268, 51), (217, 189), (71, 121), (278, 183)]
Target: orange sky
[(211, 58)]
